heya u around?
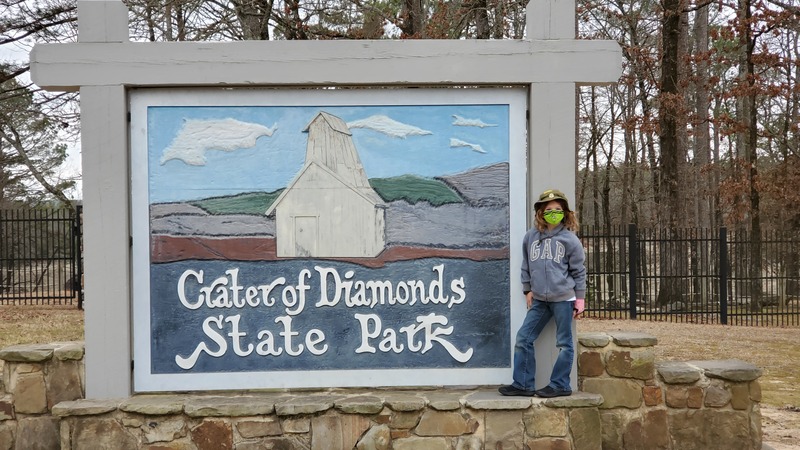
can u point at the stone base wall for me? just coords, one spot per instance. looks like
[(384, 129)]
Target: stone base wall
[(668, 405), (627, 401), (34, 379)]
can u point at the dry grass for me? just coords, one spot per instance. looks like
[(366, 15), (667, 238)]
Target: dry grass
[(39, 324)]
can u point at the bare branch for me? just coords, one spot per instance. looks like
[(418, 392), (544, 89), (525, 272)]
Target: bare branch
[(16, 143)]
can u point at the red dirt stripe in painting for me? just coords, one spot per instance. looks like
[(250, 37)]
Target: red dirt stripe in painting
[(175, 248)]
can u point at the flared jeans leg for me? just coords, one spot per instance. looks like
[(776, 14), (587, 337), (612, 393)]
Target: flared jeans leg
[(524, 356), (562, 313)]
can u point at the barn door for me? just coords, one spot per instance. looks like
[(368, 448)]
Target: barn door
[(305, 235)]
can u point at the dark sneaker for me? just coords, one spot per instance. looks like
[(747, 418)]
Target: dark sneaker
[(511, 390), (549, 392)]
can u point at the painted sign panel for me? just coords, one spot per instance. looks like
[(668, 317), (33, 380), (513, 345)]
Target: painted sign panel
[(325, 238)]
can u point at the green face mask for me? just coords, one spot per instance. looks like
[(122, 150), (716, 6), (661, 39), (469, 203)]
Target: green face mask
[(553, 217)]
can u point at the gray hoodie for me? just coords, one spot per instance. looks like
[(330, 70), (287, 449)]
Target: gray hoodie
[(553, 265)]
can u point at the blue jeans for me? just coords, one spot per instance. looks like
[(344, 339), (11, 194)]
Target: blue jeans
[(524, 354)]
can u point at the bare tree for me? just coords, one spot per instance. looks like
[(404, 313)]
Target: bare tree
[(33, 122), (29, 149)]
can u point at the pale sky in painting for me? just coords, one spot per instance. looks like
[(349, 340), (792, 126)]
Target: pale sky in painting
[(198, 152)]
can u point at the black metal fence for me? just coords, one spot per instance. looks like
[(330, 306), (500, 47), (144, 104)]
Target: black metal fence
[(40, 257), (685, 275), (693, 275)]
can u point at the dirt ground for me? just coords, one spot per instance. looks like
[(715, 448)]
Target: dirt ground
[(775, 350)]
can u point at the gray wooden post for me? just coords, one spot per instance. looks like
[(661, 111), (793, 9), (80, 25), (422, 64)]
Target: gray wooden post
[(104, 65), (551, 147), (104, 153)]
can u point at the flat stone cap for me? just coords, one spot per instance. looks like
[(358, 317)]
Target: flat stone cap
[(305, 405), (85, 407), (297, 403), (494, 400), (677, 372), (633, 339), (153, 405), (229, 406), (405, 402), (594, 339), (361, 404), (68, 351), (576, 400), (446, 400), (729, 369), (27, 353)]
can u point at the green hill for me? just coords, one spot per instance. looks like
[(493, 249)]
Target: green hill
[(254, 203), (411, 188), (414, 189)]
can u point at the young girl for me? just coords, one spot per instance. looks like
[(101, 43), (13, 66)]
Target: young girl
[(554, 283)]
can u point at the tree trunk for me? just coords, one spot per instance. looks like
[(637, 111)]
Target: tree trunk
[(703, 203), (254, 18), (681, 200), (702, 137), (716, 173), (593, 146), (609, 263), (150, 21), (751, 151), (670, 113), (501, 13), (792, 141), (480, 9), (629, 164), (180, 21), (293, 26), (414, 19)]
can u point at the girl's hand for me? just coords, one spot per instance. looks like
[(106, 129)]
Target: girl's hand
[(578, 307), (529, 299)]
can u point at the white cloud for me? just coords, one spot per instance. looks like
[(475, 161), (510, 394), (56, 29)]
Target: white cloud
[(198, 136), (388, 126), (459, 143), (464, 122)]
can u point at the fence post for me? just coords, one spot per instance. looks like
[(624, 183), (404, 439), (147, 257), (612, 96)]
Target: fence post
[(633, 265), (78, 254), (723, 275)]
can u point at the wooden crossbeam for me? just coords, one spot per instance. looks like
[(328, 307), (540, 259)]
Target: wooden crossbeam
[(294, 63)]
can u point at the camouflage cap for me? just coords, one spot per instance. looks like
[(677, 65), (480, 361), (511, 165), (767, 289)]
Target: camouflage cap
[(550, 195)]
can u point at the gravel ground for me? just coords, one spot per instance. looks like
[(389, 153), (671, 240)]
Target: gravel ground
[(775, 350)]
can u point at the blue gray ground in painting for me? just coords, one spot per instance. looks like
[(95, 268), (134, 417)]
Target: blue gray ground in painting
[(481, 221), (479, 323)]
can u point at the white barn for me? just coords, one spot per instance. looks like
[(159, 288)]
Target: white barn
[(329, 209)]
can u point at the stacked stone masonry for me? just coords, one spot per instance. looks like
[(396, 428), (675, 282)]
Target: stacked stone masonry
[(627, 401), (668, 405)]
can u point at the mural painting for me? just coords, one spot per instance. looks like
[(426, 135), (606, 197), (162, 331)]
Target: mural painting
[(290, 241)]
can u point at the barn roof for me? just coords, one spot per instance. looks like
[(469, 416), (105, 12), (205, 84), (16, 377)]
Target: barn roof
[(367, 193), (334, 122)]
